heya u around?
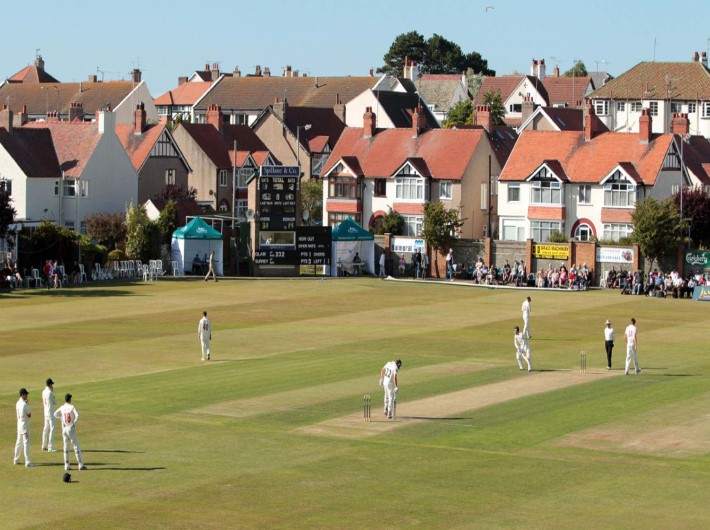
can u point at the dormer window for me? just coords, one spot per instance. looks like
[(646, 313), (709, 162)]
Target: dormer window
[(545, 188), (619, 192)]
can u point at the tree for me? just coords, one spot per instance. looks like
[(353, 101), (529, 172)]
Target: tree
[(440, 225), (437, 55), (174, 192), (7, 216), (393, 223), (696, 211), (140, 235), (411, 45), (168, 221), (460, 114), (657, 228), (495, 102), (312, 201), (109, 229), (578, 70)]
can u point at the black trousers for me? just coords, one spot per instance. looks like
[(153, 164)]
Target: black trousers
[(609, 344)]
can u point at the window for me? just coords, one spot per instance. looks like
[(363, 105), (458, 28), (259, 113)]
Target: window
[(380, 188), (513, 230), (616, 231), (6, 185), (335, 218), (585, 194), (621, 106), (618, 192), (544, 189), (170, 177), (636, 106), (242, 207), (706, 110), (69, 188), (601, 107), (413, 225), (583, 232), (676, 107), (484, 196), (653, 108), (513, 192), (409, 188), (692, 108), (516, 107), (56, 188), (445, 189), (541, 230), (223, 178), (243, 175), (494, 185), (343, 187)]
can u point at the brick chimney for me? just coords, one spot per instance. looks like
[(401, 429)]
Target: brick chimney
[(215, 71), (369, 122), (418, 119), (91, 78), (556, 71), (19, 119), (258, 70), (52, 115), (590, 122), (704, 59), (680, 124), (182, 80), (645, 127), (214, 116), (136, 75), (528, 108), (339, 108), (484, 117), (39, 62), (372, 72), (237, 72), (139, 124), (279, 107), (288, 72), (696, 57), (76, 111), (267, 71), (6, 119)]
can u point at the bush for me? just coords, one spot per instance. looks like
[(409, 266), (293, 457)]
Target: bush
[(117, 255), (557, 237)]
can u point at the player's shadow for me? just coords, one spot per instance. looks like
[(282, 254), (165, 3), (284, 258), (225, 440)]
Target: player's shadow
[(111, 451), (430, 418), (114, 466)]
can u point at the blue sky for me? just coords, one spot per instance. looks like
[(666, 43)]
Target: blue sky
[(168, 39)]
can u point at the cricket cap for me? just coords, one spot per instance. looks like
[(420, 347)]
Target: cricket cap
[(23, 392), (608, 322), (49, 381), (67, 397)]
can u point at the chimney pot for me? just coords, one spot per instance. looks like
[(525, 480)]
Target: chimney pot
[(368, 123)]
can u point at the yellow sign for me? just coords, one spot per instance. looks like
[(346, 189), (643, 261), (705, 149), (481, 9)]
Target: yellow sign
[(551, 251)]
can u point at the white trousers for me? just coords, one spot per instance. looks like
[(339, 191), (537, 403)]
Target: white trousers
[(69, 437), (631, 356), (205, 343), (23, 442), (526, 355), (388, 385), (48, 432), (526, 327)]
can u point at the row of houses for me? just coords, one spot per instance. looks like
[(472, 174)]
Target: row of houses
[(575, 154)]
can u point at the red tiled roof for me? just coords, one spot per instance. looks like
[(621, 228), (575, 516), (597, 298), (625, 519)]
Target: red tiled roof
[(650, 80), (219, 145), (586, 161), (185, 94), (696, 153), (446, 152), (32, 74), (33, 151), (139, 146), (505, 85), (74, 143), (569, 90), (441, 77)]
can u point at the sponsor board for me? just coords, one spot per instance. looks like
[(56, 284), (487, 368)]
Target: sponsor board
[(615, 255), (697, 259), (701, 293), (550, 251)]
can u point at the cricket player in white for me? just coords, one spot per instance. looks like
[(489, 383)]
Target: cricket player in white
[(49, 402), (204, 332), (388, 379), (69, 416), (630, 335), (522, 349), (526, 318), (22, 409)]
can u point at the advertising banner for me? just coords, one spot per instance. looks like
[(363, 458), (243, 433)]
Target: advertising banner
[(615, 255), (701, 293), (697, 259), (545, 251)]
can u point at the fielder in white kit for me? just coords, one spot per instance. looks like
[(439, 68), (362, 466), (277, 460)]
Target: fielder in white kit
[(522, 349), (204, 332), (526, 318), (22, 409), (69, 416), (388, 379), (631, 337), (49, 401)]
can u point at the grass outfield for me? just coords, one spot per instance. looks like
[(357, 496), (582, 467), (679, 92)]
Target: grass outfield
[(269, 434)]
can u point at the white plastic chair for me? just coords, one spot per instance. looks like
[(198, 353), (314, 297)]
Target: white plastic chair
[(176, 269), (82, 273), (37, 279), (62, 275)]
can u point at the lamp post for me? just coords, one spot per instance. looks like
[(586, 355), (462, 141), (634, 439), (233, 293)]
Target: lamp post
[(298, 144)]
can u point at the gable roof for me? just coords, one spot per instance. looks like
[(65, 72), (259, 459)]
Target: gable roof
[(586, 161), (440, 90), (139, 146), (696, 153), (325, 128), (40, 98), (504, 84), (32, 74), (218, 146), (567, 90), (649, 80), (446, 152), (74, 143), (33, 151), (562, 118), (400, 108), (185, 94), (256, 93)]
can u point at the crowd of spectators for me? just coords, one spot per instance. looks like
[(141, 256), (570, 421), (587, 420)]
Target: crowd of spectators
[(10, 277), (576, 278), (657, 284)]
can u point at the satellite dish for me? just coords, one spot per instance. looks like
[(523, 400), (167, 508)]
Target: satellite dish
[(250, 214)]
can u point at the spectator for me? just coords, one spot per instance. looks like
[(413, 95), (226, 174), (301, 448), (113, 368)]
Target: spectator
[(564, 276), (540, 280), (417, 263), (637, 283), (611, 278), (450, 265), (506, 272), (402, 265)]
